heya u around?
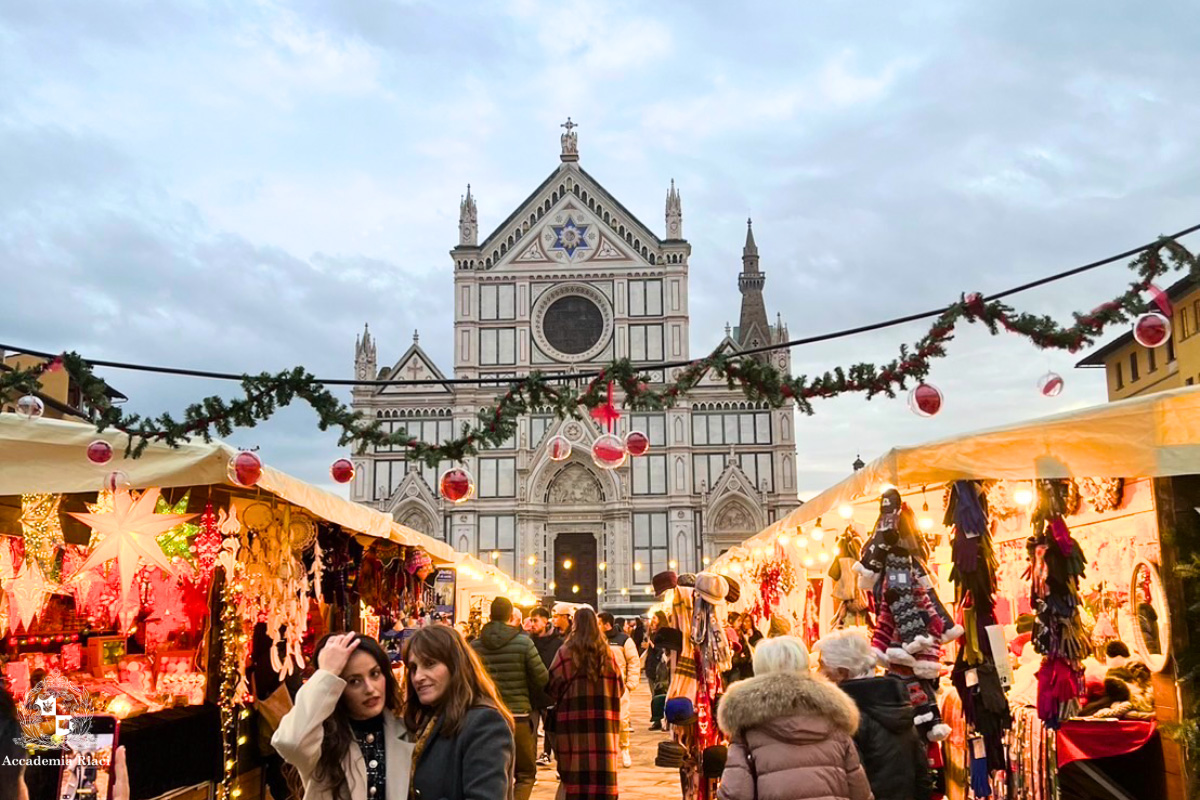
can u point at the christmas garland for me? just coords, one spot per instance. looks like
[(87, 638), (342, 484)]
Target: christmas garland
[(759, 380)]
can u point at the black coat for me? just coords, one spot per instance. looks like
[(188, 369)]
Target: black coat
[(891, 751), (547, 646), (475, 765)]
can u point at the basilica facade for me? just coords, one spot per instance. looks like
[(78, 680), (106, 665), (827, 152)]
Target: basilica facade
[(571, 280)]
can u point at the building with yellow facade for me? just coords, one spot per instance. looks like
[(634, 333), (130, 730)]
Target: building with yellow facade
[(1133, 370), (59, 394)]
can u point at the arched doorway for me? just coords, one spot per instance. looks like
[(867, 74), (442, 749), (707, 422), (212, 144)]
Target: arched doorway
[(575, 570)]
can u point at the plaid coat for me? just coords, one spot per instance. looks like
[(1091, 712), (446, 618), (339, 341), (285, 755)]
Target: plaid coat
[(587, 717)]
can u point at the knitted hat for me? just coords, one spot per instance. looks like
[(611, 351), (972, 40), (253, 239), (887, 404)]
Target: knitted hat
[(712, 587), (713, 758), (664, 581), (735, 590), (779, 627), (680, 711), (670, 755), (417, 560), (687, 579)]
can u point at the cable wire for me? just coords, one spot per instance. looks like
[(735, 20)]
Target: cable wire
[(823, 337)]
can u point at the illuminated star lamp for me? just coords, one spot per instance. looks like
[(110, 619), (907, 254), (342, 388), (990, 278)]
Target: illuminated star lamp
[(129, 535), (43, 532), (177, 542), (26, 593)]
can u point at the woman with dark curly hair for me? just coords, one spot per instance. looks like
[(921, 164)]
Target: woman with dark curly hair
[(345, 735)]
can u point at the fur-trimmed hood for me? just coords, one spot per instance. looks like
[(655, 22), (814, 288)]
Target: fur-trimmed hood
[(780, 699)]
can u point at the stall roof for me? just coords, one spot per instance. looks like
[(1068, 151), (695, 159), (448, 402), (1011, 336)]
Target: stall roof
[(49, 455), (1153, 436)]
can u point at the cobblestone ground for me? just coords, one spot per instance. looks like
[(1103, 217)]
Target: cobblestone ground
[(643, 779)]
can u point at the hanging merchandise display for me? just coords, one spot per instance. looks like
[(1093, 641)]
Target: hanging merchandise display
[(911, 622), (1056, 563), (853, 607), (975, 675)]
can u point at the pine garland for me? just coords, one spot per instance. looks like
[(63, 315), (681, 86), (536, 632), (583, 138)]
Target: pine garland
[(761, 382)]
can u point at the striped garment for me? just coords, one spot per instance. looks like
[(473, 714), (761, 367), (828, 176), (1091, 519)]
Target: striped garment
[(587, 717)]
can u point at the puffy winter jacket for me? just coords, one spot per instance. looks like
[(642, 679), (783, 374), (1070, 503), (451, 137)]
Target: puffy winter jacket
[(513, 662), (798, 731), (892, 753), (628, 660)]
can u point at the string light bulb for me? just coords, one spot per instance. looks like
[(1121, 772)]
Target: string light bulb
[(603, 565), (1023, 497), (846, 511), (568, 563)]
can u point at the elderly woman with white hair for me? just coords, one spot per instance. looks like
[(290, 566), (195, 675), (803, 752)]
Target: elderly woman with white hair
[(892, 753), (790, 732)]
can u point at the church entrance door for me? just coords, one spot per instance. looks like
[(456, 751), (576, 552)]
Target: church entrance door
[(575, 568)]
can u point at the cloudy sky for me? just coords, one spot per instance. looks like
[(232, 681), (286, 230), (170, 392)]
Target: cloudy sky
[(240, 186)]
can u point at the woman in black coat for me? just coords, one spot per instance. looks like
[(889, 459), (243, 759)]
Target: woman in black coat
[(894, 756), (464, 734)]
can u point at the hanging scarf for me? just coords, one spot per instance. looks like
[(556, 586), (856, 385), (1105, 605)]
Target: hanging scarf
[(709, 636)]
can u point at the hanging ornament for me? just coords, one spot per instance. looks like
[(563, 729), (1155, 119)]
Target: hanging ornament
[(1050, 384), (246, 468), (207, 544), (608, 452), (99, 452), (177, 542), (129, 535), (342, 470), (43, 531), (1152, 329), (1161, 299), (31, 407), (925, 400), (26, 594), (558, 448), (457, 485), (116, 480), (637, 443), (606, 414)]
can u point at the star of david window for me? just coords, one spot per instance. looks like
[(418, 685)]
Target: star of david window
[(570, 237), (573, 324)]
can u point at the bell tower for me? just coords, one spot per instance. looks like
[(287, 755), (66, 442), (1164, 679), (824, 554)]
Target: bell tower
[(674, 213), (468, 221)]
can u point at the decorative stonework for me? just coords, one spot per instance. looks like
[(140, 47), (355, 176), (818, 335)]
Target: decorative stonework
[(733, 517), (590, 293), (575, 485)]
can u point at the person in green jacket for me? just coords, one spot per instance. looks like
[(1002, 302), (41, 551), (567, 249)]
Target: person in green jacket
[(518, 671)]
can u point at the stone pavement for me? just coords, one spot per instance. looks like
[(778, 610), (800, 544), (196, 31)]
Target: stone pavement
[(643, 780)]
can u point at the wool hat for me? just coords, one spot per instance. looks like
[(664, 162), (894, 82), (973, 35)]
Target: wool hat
[(664, 581), (712, 587), (735, 590), (670, 755), (687, 579), (680, 711), (713, 760), (670, 639), (779, 627), (417, 560)]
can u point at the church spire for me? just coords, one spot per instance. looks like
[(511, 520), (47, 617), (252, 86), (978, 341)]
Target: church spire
[(468, 221), (753, 328), (364, 355), (674, 213)]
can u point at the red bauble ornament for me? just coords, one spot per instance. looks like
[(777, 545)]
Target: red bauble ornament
[(246, 468), (1051, 384), (925, 400), (115, 480), (457, 485), (558, 448), (608, 452), (342, 470), (99, 452), (637, 443), (1152, 330)]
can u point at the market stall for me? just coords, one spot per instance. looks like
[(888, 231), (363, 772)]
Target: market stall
[(180, 590), (1031, 548)]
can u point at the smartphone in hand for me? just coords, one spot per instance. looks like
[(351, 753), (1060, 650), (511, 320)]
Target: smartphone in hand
[(87, 770)]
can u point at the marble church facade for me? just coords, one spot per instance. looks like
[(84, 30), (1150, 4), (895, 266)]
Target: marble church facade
[(568, 281)]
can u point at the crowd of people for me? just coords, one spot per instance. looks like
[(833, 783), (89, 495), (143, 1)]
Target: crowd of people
[(460, 719)]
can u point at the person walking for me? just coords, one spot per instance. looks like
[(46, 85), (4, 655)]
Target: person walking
[(344, 735), (547, 640), (892, 753), (630, 665), (586, 687), (790, 732), (463, 733), (519, 673)]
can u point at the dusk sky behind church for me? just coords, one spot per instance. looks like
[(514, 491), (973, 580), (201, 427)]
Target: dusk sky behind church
[(240, 186)]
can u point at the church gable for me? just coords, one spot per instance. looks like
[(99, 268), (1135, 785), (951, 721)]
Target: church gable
[(414, 365), (569, 220)]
